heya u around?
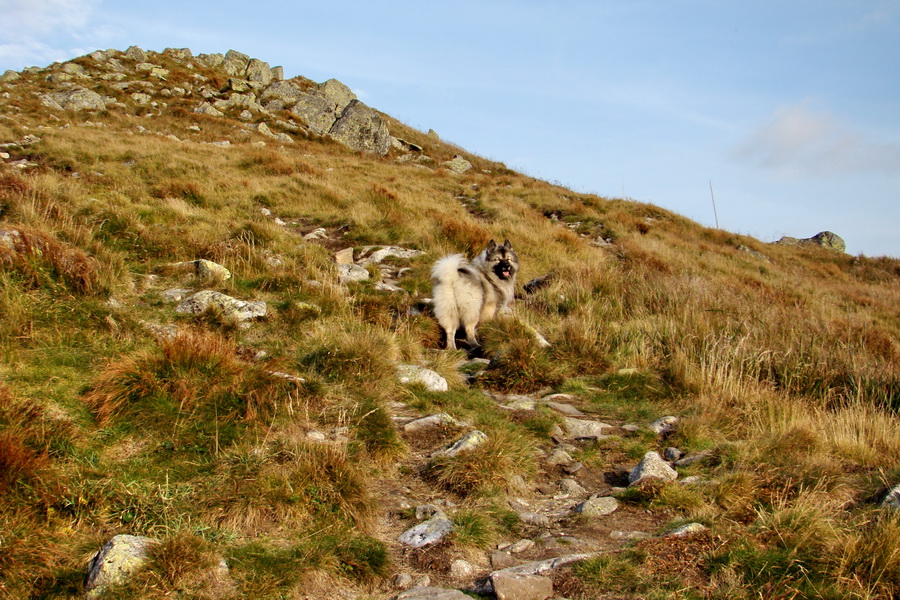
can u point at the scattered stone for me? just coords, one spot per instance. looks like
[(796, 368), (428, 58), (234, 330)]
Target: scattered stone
[(652, 466), (629, 535), (377, 254), (672, 454), (431, 421), (175, 294), (565, 409), (230, 307), (344, 257), (469, 441), (319, 233), (559, 457), (457, 164), (597, 507), (461, 569), (520, 546), (534, 519), (203, 268), (583, 428), (512, 586), (416, 374), (664, 425), (500, 559), (432, 593), (428, 532), (686, 530), (570, 487), (692, 457), (351, 272), (120, 558)]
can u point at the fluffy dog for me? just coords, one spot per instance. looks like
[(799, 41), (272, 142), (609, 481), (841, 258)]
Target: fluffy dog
[(467, 293)]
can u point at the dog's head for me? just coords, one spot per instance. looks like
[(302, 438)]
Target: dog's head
[(502, 259)]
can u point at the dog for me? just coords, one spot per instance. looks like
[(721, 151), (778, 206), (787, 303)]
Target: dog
[(467, 293)]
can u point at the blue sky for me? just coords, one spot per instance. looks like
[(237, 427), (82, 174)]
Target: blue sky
[(790, 108)]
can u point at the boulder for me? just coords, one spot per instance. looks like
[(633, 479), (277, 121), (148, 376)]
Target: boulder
[(652, 466), (317, 111), (236, 63), (337, 92), (362, 128), (259, 72), (285, 91), (118, 560), (416, 374), (232, 308), (76, 99), (457, 164), (136, 54)]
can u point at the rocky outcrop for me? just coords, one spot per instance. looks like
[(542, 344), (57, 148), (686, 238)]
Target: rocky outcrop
[(823, 239), (253, 89)]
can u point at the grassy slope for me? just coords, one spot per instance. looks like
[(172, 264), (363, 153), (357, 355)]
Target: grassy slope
[(787, 368)]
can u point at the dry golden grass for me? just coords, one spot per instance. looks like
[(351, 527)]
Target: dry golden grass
[(787, 369)]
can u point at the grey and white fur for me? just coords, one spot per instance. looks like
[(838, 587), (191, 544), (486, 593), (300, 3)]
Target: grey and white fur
[(467, 293)]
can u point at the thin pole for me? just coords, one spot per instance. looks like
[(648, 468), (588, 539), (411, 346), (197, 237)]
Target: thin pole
[(713, 196)]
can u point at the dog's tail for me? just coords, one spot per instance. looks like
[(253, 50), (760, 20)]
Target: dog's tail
[(446, 270)]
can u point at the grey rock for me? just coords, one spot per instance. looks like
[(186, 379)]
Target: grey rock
[(236, 63), (317, 111), (259, 72), (76, 99), (597, 507), (652, 466), (824, 239), (430, 421), (351, 273), (469, 441), (285, 91), (432, 593), (119, 559), (362, 128), (428, 532), (9, 76), (534, 519), (686, 530), (206, 108), (416, 374), (672, 454), (338, 93), (230, 307), (559, 457), (175, 294), (565, 409), (691, 458), (461, 569), (512, 586), (663, 425), (570, 487), (457, 164), (377, 254), (584, 428), (136, 54)]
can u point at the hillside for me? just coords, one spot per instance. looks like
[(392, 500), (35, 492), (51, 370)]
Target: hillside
[(215, 312)]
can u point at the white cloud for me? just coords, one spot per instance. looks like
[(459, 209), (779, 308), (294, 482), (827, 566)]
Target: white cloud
[(800, 140), (34, 31)]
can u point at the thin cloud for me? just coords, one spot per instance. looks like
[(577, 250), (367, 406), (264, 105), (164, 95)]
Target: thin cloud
[(800, 140), (26, 25)]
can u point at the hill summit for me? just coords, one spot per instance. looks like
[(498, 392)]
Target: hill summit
[(221, 375)]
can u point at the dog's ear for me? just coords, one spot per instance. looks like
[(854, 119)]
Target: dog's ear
[(492, 245), (507, 244)]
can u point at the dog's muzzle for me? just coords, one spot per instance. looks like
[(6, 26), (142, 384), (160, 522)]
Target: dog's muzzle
[(504, 269)]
